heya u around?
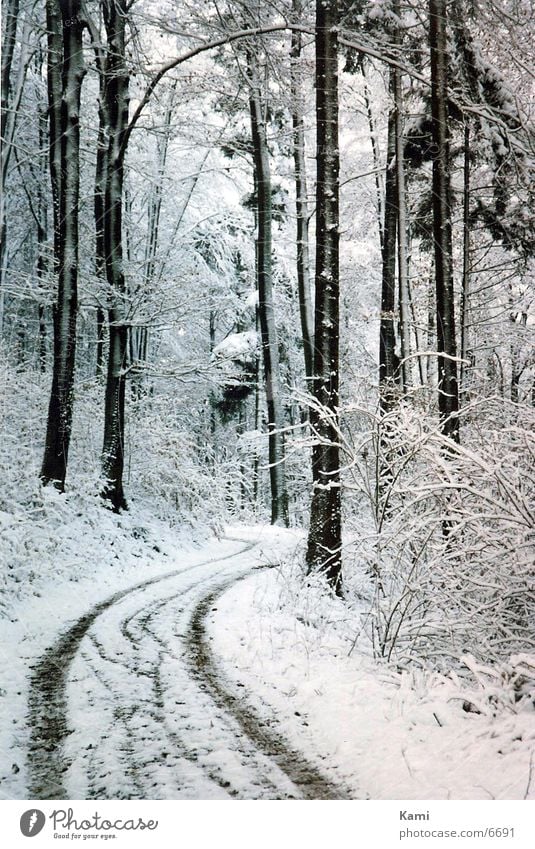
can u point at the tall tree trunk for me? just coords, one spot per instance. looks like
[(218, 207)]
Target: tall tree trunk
[(65, 74), (324, 552), (465, 292), (268, 331), (42, 224), (116, 107), (376, 157), (98, 209), (448, 387), (139, 335), (403, 268), (9, 39), (387, 334), (301, 202), (41, 269), (417, 328)]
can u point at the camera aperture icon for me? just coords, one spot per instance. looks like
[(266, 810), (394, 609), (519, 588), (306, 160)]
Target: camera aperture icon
[(32, 822)]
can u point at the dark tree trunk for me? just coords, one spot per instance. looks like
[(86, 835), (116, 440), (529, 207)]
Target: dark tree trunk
[(116, 85), (268, 331), (301, 201), (42, 338), (324, 552), (448, 387), (41, 269), (65, 74), (101, 337), (42, 227), (387, 333)]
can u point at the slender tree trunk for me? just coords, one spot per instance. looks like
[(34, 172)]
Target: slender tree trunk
[(11, 14), (465, 292), (41, 268), (98, 209), (403, 270), (139, 335), (65, 74), (101, 338), (516, 366), (387, 334), (9, 39), (268, 332), (376, 157), (417, 329), (448, 387), (301, 202), (12, 91), (324, 552), (257, 421), (42, 226)]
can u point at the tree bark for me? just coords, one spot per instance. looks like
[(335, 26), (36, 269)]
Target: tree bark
[(403, 269), (116, 84), (324, 552), (65, 74), (465, 292), (448, 387), (268, 331), (98, 209), (301, 202), (387, 334)]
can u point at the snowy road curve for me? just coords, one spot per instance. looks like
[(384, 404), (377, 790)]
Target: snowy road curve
[(129, 702)]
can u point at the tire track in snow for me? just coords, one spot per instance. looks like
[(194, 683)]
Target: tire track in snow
[(250, 759), (47, 703), (309, 780)]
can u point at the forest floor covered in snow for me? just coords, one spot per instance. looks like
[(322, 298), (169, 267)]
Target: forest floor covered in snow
[(305, 659), (133, 613)]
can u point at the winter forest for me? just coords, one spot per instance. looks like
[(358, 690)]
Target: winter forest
[(268, 386)]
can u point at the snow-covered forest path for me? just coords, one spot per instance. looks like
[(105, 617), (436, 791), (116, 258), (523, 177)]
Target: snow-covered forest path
[(129, 702)]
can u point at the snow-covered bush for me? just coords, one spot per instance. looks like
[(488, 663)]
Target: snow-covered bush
[(450, 550), (507, 686)]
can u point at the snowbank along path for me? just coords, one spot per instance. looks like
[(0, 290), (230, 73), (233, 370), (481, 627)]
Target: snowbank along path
[(129, 702)]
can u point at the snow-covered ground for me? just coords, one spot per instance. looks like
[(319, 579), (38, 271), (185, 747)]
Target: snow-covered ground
[(386, 735), (143, 722)]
